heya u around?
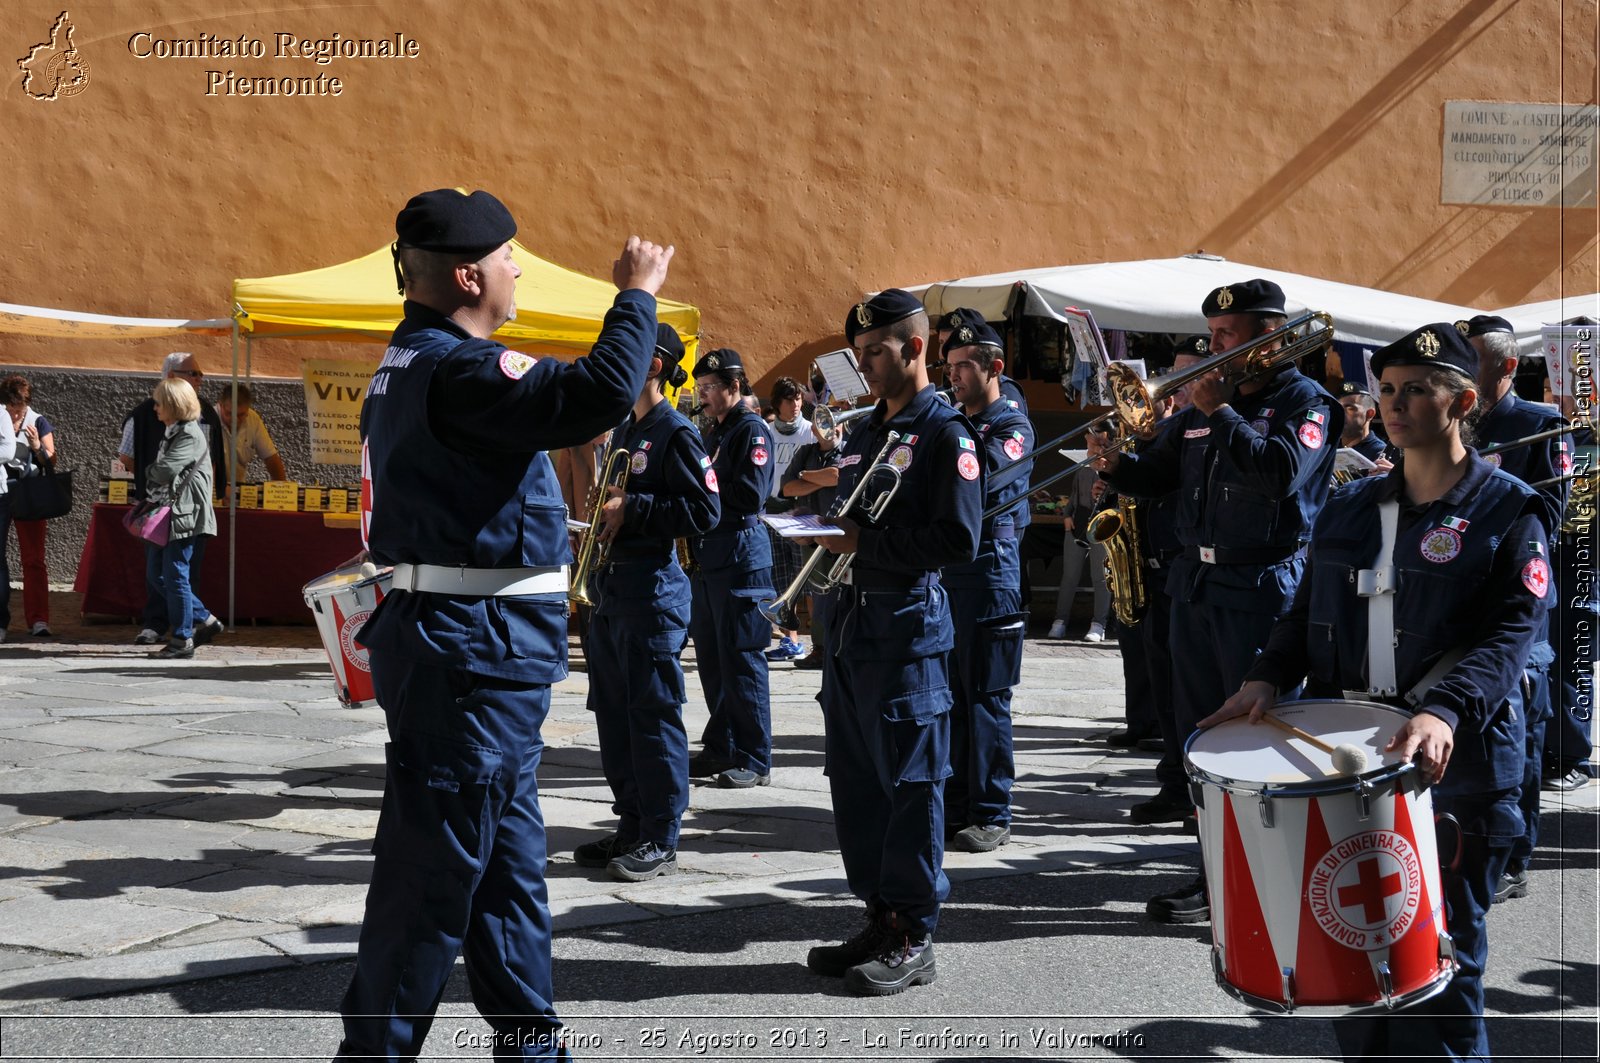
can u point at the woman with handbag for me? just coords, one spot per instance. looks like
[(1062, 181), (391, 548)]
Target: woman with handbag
[(35, 447), (181, 477)]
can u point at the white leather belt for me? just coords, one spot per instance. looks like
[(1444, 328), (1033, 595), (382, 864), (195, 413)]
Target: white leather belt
[(479, 582)]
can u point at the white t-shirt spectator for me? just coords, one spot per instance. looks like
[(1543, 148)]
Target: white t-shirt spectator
[(785, 445)]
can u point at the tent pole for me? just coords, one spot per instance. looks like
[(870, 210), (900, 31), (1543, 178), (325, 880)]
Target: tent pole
[(231, 487)]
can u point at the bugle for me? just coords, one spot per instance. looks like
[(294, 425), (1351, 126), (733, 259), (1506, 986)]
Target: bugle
[(826, 420), (780, 610), (1134, 400), (1537, 437)]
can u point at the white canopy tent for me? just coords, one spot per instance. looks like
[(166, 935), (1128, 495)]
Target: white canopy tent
[(1164, 295), (1529, 317)]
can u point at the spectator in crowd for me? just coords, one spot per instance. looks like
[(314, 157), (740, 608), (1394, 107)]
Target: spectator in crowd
[(143, 432), (181, 474), (790, 432), (1083, 496), (34, 446), (809, 481), (246, 435)]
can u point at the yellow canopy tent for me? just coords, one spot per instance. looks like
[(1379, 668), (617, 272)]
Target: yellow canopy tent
[(558, 310)]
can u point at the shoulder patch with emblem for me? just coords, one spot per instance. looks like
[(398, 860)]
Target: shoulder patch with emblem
[(1536, 577), (967, 465), (514, 365), (1310, 434), (1013, 447)]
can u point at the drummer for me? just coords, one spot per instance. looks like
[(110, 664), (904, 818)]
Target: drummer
[(1466, 572)]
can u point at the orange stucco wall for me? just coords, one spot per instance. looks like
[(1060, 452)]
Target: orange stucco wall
[(796, 151)]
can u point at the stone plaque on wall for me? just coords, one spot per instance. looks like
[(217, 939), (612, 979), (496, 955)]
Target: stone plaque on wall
[(1519, 154)]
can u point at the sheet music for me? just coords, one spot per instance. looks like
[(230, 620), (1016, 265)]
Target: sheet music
[(805, 525), (839, 372)]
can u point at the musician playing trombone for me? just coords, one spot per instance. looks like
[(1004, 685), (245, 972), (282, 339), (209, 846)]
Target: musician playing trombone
[(1252, 460), (986, 600), (885, 690), (640, 623)]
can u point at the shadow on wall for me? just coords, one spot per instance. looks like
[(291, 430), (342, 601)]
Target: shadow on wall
[(87, 408), (1344, 132)]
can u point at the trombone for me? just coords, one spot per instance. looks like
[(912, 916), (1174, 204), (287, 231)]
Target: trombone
[(1134, 400), (780, 610)]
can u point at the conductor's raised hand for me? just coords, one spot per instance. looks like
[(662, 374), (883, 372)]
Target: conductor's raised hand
[(1255, 698), (642, 265)]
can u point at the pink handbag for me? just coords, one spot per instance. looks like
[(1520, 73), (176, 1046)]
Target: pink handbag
[(150, 522)]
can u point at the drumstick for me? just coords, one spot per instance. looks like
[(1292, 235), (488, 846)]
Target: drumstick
[(1304, 736), (1347, 759)]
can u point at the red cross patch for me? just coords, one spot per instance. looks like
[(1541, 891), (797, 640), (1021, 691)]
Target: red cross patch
[(1310, 434), (758, 456), (1536, 577), (967, 465), (1013, 449), (711, 481)]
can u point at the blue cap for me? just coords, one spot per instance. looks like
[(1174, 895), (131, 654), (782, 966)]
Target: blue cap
[(448, 220), (714, 361), (1484, 324), (1441, 345), (668, 345), (972, 333)]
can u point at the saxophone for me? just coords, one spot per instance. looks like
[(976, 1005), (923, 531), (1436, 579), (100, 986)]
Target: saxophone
[(592, 553), (1119, 530)]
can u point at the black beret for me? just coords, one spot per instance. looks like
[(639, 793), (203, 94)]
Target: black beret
[(1484, 324), (1199, 346), (716, 360), (668, 345), (448, 220), (954, 319), (968, 332), (1440, 345), (885, 308), (1247, 297), (1350, 387)]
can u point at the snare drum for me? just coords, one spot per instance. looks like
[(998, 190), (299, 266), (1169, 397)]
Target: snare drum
[(1325, 888), (342, 601)]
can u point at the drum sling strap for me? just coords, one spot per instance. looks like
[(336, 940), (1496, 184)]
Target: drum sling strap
[(1377, 586)]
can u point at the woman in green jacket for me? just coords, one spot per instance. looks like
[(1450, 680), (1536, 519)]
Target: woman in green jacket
[(182, 477)]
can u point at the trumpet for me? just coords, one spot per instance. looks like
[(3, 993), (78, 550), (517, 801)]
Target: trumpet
[(592, 553), (1134, 400), (780, 610), (826, 420)]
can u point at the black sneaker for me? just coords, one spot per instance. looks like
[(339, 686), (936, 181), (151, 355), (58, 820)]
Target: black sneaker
[(642, 863), (1162, 808), (175, 648), (899, 965), (834, 960), (1152, 745), (1123, 738), (207, 631), (601, 851), (704, 765), (741, 779), (1190, 904), (981, 838), (1574, 779), (1512, 884)]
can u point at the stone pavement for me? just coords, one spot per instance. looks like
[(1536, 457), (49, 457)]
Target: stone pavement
[(166, 822)]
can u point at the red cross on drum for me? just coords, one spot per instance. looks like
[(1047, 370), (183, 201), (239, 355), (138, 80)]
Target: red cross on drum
[(1325, 886)]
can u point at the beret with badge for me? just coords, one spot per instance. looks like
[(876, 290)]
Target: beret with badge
[(885, 308), (969, 329), (1351, 387), (1247, 297), (1483, 324), (1438, 345), (715, 361), (1198, 346)]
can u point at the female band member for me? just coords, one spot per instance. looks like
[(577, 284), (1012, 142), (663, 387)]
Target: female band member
[(733, 575), (1465, 559)]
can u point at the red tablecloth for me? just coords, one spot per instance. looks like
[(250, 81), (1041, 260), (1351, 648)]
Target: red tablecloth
[(278, 554)]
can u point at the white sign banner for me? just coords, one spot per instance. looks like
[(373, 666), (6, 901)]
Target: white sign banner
[(1569, 359), (334, 390), (1519, 154)]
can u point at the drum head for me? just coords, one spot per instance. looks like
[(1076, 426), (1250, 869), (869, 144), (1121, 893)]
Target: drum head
[(1241, 752)]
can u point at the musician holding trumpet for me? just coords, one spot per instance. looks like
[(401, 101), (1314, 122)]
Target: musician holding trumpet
[(885, 688), (640, 623), (1252, 461)]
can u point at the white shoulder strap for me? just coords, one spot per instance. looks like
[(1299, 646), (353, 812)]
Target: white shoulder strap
[(1377, 585)]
